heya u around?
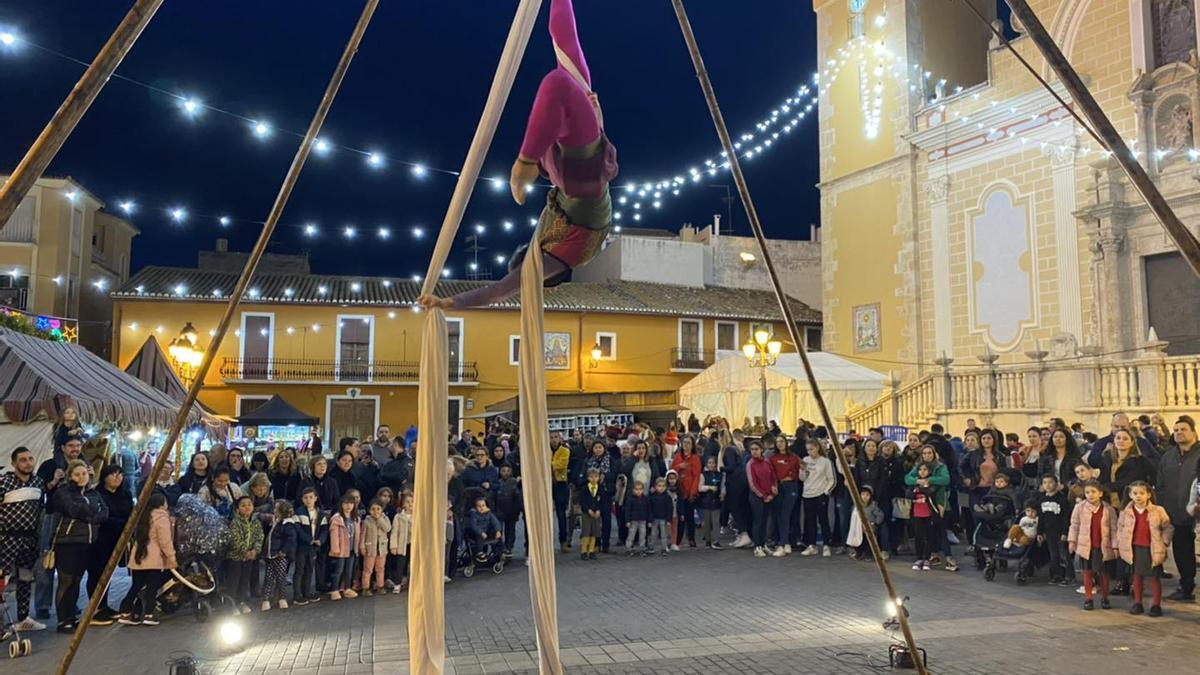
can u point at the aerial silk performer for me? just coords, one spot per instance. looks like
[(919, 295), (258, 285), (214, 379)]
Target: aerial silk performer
[(566, 144)]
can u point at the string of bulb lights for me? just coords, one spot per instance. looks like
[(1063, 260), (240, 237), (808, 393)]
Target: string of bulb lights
[(193, 107)]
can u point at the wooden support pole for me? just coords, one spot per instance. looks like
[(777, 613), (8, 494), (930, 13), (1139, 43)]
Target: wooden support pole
[(235, 298), (48, 143), (1179, 233), (786, 308)]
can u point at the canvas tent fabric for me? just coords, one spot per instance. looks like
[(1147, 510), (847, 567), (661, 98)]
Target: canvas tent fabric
[(150, 365), (732, 389), (42, 378), (277, 412)]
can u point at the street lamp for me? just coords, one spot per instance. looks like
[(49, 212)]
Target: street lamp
[(597, 352), (186, 354), (762, 352)]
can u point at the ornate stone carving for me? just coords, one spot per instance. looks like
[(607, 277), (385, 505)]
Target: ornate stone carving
[(1174, 126), (1060, 155), (1063, 346), (937, 189), (1105, 244), (1174, 30)]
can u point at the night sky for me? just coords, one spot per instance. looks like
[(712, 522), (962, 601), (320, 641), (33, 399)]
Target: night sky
[(414, 93)]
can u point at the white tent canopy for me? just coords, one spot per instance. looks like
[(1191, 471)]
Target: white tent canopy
[(732, 389)]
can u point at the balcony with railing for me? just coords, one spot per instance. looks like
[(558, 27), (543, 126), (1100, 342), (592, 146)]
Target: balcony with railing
[(332, 371), (691, 359)]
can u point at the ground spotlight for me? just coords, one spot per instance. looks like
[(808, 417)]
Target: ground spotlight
[(231, 633)]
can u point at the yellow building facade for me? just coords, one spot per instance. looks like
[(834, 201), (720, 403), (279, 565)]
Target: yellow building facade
[(976, 241), (61, 255), (346, 349)]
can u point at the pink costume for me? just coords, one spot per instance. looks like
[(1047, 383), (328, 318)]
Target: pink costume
[(565, 136)]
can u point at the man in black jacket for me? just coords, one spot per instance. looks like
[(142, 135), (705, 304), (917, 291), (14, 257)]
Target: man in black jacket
[(1176, 471)]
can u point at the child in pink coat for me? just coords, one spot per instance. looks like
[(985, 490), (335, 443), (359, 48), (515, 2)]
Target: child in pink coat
[(1093, 537), (1143, 531)]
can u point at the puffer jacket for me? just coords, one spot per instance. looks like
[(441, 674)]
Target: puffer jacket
[(160, 550), (339, 536), (280, 539), (1161, 532), (80, 511), (374, 539), (245, 534), (1079, 538), (401, 534)]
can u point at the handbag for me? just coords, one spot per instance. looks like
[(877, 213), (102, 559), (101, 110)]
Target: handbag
[(901, 508), (49, 560)]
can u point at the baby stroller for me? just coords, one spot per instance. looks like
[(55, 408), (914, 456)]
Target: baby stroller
[(994, 519), (18, 646), (471, 556), (201, 535)]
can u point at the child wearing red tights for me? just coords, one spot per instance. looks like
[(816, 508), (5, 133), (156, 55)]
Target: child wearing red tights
[(1092, 537), (1143, 531)]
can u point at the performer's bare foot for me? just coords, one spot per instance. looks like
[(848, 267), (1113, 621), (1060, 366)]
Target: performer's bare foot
[(431, 301)]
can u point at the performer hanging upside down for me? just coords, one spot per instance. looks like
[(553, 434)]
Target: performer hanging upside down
[(565, 142)]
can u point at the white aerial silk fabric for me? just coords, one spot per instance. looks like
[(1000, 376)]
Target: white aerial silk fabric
[(535, 464), (426, 599)]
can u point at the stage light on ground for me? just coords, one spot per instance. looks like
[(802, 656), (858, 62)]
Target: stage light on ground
[(231, 633)]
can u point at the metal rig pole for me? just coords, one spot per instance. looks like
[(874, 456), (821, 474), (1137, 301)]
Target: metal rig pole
[(235, 298), (786, 308), (48, 143)]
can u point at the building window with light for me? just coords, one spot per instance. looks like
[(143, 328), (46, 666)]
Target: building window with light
[(607, 346), (257, 347), (354, 348)]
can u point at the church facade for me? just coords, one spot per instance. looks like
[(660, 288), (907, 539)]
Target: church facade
[(976, 241)]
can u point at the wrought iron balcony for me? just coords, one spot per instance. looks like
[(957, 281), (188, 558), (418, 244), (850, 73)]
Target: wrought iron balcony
[(330, 370), (691, 359)]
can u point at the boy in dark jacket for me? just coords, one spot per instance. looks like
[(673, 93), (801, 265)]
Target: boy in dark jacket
[(662, 512), (482, 528), (509, 503), (637, 512), (1054, 521), (312, 537), (710, 503)]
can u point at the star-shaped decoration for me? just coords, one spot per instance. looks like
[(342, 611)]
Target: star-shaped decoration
[(70, 333)]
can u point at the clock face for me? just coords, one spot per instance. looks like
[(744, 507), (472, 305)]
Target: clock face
[(857, 6)]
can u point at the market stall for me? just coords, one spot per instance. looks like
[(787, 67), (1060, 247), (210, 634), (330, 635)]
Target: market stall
[(274, 424), (43, 378)]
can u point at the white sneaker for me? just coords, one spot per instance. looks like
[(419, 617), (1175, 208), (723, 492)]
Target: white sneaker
[(674, 547), (918, 565), (778, 552), (742, 540), (825, 552), (840, 550), (952, 538), (28, 624), (760, 552), (283, 604), (1079, 590), (266, 606), (244, 608), (787, 549), (885, 555), (809, 550)]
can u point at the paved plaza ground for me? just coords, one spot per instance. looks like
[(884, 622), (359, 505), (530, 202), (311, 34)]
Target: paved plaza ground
[(693, 612)]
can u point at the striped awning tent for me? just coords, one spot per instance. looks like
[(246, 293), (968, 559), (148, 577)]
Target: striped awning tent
[(150, 365), (43, 377)]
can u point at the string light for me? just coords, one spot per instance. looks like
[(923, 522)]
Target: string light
[(310, 230), (480, 228), (322, 147), (8, 39), (178, 214), (500, 259), (224, 220), (191, 106), (261, 129), (419, 171), (508, 225), (384, 233), (127, 207), (375, 160), (349, 232), (497, 184), (418, 232)]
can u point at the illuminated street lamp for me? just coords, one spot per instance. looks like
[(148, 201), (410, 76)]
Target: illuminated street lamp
[(762, 352), (596, 354), (185, 354)]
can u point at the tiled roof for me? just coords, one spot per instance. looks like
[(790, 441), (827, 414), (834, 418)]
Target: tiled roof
[(623, 297)]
